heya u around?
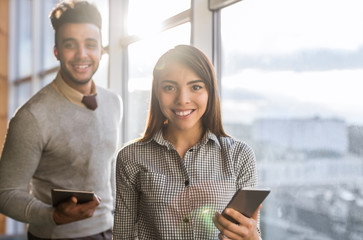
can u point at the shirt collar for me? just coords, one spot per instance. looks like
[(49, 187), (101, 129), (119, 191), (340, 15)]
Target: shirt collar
[(158, 138), (68, 92)]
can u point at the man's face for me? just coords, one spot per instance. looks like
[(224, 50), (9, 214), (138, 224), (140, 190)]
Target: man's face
[(78, 48)]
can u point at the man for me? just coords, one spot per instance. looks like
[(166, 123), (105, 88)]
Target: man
[(59, 140)]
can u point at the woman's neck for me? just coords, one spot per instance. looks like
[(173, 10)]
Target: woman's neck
[(183, 140)]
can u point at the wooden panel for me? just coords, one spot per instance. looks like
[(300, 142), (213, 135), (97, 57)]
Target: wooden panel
[(3, 131), (2, 222), (4, 26), (3, 96), (4, 46)]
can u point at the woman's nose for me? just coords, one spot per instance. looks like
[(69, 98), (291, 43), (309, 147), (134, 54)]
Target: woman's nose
[(183, 96)]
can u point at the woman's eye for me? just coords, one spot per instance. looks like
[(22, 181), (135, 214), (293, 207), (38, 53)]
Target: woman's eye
[(168, 88), (196, 87)]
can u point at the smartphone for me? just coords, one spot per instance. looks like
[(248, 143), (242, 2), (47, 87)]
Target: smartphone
[(246, 201), (62, 195)]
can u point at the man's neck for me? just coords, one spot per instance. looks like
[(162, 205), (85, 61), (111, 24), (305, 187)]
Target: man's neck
[(84, 88)]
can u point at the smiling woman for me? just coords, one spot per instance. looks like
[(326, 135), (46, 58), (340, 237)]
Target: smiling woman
[(174, 181), (183, 100)]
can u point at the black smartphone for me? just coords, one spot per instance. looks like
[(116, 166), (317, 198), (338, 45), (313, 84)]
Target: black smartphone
[(61, 195), (246, 201)]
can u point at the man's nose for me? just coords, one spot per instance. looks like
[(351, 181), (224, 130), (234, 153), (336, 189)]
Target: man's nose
[(81, 51)]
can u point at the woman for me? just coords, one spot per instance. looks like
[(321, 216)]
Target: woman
[(173, 182)]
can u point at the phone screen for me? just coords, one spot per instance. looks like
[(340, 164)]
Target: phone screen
[(246, 201)]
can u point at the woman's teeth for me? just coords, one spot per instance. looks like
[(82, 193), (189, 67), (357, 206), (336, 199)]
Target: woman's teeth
[(183, 113)]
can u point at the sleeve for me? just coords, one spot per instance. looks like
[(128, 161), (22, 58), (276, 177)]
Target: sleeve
[(247, 171), (20, 157), (118, 146), (125, 220)]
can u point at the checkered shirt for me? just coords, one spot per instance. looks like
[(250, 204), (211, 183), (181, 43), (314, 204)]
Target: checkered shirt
[(161, 196)]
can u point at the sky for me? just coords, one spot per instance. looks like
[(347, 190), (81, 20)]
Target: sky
[(277, 34)]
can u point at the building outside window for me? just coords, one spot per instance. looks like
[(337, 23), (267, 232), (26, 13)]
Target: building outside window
[(291, 81)]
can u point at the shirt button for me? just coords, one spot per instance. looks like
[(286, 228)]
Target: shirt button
[(186, 220), (186, 183)]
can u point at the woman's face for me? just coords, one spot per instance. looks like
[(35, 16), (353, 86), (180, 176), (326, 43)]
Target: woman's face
[(183, 97)]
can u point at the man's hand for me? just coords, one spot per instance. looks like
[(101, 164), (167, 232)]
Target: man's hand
[(70, 211), (246, 229)]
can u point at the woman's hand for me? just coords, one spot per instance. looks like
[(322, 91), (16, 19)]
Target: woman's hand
[(246, 229)]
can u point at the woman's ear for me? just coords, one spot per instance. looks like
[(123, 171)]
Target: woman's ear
[(55, 51)]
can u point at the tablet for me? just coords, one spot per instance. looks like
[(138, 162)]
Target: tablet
[(62, 195), (246, 201)]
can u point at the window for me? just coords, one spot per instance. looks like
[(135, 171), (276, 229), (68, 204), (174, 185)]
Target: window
[(101, 76), (48, 60), (156, 37), (24, 35), (291, 81), (145, 16)]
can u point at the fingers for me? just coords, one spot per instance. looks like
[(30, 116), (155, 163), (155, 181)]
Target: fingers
[(94, 203), (74, 200), (255, 214), (71, 210), (245, 229), (228, 229), (86, 210), (222, 237)]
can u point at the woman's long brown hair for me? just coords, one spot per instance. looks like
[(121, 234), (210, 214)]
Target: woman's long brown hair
[(197, 61)]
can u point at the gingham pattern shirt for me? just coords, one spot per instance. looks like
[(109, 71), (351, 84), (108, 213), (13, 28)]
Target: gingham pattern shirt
[(161, 196)]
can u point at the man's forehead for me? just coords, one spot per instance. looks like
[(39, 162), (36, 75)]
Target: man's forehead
[(79, 31)]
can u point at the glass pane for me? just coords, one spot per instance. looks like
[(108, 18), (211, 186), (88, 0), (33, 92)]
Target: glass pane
[(23, 93), (103, 7), (23, 31), (101, 76), (145, 16), (142, 58), (48, 59), (292, 76), (47, 79)]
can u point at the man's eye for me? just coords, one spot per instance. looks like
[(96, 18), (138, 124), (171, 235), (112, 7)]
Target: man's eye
[(91, 45), (69, 45)]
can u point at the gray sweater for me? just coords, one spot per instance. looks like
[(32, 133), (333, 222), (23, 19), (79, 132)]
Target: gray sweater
[(53, 143)]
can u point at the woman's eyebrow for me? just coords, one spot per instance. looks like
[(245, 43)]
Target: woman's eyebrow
[(195, 81), (168, 81)]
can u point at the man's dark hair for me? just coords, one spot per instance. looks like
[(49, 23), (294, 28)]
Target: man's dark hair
[(75, 12)]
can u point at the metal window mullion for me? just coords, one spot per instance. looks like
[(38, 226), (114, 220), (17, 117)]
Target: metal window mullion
[(118, 57), (202, 27), (217, 49), (219, 4), (174, 21), (36, 50), (13, 55)]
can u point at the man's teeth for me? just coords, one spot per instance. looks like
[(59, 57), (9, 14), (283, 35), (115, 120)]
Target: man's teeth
[(183, 113)]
